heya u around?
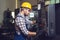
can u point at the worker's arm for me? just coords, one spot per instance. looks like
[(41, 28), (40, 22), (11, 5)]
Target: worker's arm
[(31, 33), (21, 23), (31, 22)]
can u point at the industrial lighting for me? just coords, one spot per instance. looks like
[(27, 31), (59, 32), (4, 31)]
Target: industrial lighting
[(47, 2), (39, 6), (57, 1), (13, 14)]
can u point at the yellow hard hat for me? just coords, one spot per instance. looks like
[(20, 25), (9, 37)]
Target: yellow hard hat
[(27, 5)]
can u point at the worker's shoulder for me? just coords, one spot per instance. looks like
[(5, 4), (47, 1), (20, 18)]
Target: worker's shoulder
[(19, 16)]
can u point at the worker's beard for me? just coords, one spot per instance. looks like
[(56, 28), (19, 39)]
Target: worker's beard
[(25, 14)]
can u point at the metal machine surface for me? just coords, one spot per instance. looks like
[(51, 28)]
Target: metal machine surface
[(51, 20)]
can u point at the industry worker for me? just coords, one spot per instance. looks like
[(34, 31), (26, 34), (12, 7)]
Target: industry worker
[(21, 22)]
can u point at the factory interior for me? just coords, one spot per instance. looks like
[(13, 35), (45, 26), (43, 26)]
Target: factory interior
[(44, 12)]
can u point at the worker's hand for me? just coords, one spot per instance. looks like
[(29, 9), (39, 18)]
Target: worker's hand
[(32, 34), (33, 22)]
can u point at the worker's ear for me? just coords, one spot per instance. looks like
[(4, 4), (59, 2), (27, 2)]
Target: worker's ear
[(21, 9)]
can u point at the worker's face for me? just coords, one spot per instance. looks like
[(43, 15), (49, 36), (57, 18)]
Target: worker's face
[(26, 11)]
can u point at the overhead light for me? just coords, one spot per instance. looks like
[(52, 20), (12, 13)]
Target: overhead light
[(47, 2), (39, 6)]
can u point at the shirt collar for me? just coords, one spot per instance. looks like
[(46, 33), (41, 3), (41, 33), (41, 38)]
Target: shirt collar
[(21, 15)]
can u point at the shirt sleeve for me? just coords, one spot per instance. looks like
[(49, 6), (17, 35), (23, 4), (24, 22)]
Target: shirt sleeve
[(29, 21), (21, 23)]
